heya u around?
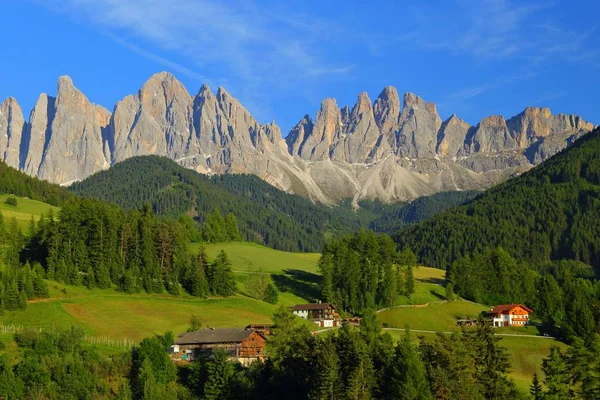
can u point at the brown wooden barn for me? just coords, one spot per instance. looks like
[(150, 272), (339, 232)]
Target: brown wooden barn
[(243, 345)]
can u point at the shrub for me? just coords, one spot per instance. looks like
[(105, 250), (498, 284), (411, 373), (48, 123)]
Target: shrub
[(271, 294), (11, 201)]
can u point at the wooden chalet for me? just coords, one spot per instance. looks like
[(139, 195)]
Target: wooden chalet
[(322, 314), (265, 329), (242, 345), (509, 315)]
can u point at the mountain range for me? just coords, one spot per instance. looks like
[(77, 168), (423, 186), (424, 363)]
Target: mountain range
[(387, 149)]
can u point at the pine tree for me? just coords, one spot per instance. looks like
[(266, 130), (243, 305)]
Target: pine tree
[(231, 228), (356, 366), (409, 375), (492, 363), (223, 279), (325, 268), (557, 376), (219, 376), (11, 296), (325, 385), (198, 282), (22, 300), (89, 280), (410, 282), (271, 294), (536, 389), (450, 291)]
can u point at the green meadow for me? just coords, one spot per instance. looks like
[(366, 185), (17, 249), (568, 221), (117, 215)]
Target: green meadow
[(25, 209)]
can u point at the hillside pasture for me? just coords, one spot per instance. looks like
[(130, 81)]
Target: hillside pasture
[(24, 210)]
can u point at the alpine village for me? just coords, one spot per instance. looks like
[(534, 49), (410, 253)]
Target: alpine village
[(230, 229)]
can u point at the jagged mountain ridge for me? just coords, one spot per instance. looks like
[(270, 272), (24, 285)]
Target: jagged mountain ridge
[(382, 149)]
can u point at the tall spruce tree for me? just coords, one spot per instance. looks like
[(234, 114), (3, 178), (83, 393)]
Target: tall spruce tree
[(223, 280), (219, 375), (326, 382), (409, 375)]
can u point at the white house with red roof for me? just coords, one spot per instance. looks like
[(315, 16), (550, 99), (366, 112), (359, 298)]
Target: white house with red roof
[(509, 315), (322, 314)]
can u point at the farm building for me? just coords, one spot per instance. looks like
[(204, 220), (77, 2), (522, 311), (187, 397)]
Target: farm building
[(322, 314), (242, 345), (509, 315)]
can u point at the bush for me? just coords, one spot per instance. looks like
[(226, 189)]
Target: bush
[(271, 294), (11, 201), (26, 338), (2, 345)]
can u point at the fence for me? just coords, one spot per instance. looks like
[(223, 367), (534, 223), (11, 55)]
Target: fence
[(94, 340)]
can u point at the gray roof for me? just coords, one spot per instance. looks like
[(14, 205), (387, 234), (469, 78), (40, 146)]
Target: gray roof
[(210, 336), (312, 306)]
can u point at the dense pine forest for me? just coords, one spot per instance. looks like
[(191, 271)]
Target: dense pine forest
[(389, 218), (266, 215), (16, 182), (549, 213)]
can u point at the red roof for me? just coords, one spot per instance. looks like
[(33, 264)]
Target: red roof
[(506, 308)]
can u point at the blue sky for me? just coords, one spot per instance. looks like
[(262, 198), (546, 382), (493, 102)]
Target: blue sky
[(281, 58)]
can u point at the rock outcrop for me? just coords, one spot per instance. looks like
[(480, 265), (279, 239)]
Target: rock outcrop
[(11, 131), (384, 150)]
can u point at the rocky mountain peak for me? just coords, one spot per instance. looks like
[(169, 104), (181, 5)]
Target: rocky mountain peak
[(65, 82), (493, 121), (411, 100), (12, 124), (387, 109), (363, 104), (386, 149)]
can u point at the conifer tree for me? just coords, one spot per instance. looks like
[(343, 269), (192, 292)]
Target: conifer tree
[(22, 300), (410, 282), (90, 280), (11, 296), (556, 376), (231, 228), (536, 389), (223, 280), (271, 294), (219, 376), (326, 382), (409, 375), (198, 282), (491, 363), (290, 349)]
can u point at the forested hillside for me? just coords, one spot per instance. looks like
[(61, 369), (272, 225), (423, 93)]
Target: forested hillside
[(18, 183), (392, 217), (265, 214), (549, 213)]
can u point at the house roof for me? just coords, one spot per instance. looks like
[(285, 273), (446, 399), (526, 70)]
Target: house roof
[(211, 336), (506, 308), (312, 306)]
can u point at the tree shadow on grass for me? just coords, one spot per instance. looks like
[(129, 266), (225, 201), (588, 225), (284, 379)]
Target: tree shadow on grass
[(437, 281), (300, 283), (436, 294)]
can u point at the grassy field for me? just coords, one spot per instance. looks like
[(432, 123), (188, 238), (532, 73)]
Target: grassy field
[(271, 261), (25, 209), (111, 314), (435, 317), (428, 286)]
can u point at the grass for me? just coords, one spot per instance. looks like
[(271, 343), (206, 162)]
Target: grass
[(117, 315), (435, 317), (271, 261), (428, 286), (25, 209)]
